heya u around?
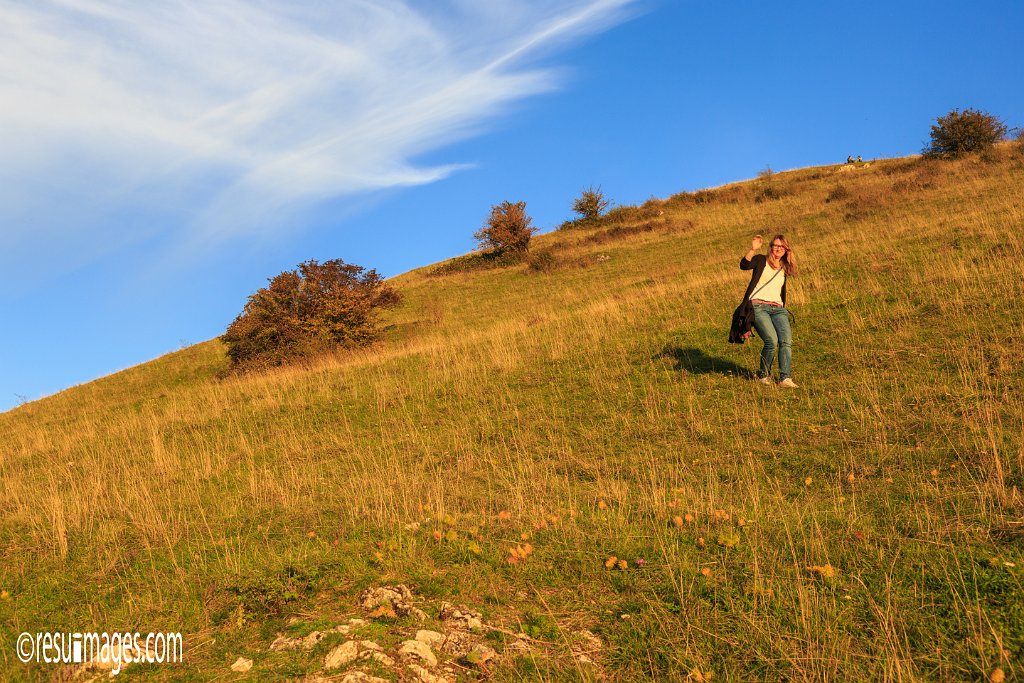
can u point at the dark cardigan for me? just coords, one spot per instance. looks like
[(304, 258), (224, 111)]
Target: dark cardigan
[(743, 316)]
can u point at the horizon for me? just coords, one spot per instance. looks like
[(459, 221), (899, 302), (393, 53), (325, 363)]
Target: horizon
[(139, 218)]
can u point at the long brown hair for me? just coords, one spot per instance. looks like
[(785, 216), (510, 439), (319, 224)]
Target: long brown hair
[(788, 259)]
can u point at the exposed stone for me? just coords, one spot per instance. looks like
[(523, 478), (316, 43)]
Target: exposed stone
[(378, 657), (373, 597), (425, 676), (420, 650), (386, 599), (431, 638), (241, 665), (461, 618), (342, 655), (362, 677), (308, 643), (369, 645), (457, 643)]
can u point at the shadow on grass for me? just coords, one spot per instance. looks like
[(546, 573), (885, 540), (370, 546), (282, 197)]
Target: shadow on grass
[(697, 362)]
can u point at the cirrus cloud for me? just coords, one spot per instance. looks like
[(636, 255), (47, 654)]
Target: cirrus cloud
[(227, 115)]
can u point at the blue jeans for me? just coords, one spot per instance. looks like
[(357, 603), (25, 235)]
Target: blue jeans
[(772, 325)]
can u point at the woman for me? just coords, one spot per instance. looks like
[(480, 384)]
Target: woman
[(767, 293)]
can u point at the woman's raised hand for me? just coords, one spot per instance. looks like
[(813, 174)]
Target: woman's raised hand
[(756, 244)]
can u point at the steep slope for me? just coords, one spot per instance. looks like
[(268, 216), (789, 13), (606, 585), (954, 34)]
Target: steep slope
[(866, 526)]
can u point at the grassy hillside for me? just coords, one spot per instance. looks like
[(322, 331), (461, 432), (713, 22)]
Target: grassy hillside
[(868, 526)]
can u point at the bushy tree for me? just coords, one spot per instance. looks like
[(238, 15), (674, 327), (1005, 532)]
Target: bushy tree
[(591, 204), (507, 229), (315, 308), (962, 132)]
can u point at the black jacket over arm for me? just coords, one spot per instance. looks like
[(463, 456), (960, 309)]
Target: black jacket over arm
[(743, 316)]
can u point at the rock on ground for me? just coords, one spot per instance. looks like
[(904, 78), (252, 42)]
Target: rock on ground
[(362, 677), (420, 650), (241, 665), (308, 643), (457, 643), (379, 657), (425, 676), (398, 598), (352, 650), (343, 654), (461, 618), (431, 638)]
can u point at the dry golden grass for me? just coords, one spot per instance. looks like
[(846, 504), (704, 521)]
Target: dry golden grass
[(600, 394)]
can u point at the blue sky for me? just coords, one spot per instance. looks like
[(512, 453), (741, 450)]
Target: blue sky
[(161, 160)]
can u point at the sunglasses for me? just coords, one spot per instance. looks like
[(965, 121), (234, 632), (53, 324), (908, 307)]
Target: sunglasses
[(778, 246)]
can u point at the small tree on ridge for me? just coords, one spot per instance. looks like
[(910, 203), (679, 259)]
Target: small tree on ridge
[(302, 312), (508, 229), (591, 203), (962, 132)]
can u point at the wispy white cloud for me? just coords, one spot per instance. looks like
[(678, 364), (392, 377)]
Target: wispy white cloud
[(233, 111)]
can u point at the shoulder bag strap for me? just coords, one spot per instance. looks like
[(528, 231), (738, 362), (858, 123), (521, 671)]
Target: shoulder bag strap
[(769, 280)]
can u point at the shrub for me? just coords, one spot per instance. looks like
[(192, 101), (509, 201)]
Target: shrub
[(962, 132), (992, 155), (730, 194), (768, 193), (925, 176), (302, 312), (704, 196), (507, 230), (632, 214), (864, 200), (543, 261), (769, 188), (837, 193), (480, 260), (900, 166), (619, 232), (591, 204)]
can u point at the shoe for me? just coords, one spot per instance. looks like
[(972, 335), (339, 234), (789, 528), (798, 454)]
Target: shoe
[(788, 384), (765, 380)]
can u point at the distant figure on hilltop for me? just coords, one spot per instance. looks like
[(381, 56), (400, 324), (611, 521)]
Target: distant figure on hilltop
[(859, 160), (764, 306), (849, 158)]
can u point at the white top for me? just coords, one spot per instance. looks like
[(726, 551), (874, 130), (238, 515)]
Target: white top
[(773, 291)]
